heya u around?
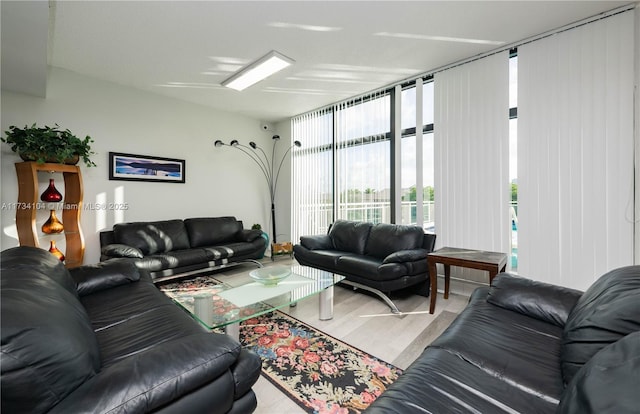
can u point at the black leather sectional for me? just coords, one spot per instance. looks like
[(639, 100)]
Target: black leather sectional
[(104, 339), (522, 346), (178, 247), (380, 258)]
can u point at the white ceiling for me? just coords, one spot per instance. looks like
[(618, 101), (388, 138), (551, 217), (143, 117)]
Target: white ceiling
[(186, 49)]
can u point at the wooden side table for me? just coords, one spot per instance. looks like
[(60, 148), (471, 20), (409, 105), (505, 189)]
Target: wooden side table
[(493, 262)]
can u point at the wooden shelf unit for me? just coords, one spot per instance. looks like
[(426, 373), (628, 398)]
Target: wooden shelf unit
[(29, 201)]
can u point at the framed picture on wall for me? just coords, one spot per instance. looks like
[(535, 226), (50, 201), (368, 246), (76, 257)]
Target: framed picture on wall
[(133, 167)]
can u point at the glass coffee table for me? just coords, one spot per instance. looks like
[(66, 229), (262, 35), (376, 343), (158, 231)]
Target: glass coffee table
[(246, 295)]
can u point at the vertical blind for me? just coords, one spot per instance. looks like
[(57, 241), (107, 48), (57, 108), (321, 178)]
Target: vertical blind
[(312, 174), (471, 132), (575, 152)]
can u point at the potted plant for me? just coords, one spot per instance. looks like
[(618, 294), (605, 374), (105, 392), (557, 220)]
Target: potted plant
[(256, 227), (47, 144)]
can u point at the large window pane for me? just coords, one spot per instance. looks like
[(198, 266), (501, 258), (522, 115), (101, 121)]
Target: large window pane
[(408, 174), (428, 181), (363, 173)]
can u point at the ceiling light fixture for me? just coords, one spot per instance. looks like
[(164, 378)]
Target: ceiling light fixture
[(261, 69)]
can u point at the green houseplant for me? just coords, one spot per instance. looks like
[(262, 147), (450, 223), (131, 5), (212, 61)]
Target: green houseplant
[(47, 144)]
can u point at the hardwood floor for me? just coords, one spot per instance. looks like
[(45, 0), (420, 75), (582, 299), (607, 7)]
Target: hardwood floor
[(365, 322)]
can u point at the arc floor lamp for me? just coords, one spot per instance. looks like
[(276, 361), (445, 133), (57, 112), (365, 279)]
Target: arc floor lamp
[(267, 167)]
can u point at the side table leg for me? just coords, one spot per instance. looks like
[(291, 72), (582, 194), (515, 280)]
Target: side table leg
[(433, 277), (326, 304), (447, 279)]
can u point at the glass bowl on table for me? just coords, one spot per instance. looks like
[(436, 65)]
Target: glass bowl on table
[(270, 276)]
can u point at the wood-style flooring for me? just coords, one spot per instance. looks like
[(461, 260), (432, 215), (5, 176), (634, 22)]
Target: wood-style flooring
[(365, 322)]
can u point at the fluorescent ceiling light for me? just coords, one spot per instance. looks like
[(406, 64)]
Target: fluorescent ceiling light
[(262, 68)]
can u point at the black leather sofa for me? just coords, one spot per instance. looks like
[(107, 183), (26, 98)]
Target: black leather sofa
[(528, 347), (180, 247), (380, 258), (104, 339)]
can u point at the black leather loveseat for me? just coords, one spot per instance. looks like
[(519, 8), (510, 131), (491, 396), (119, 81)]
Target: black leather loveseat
[(104, 339), (380, 258), (179, 247), (528, 347)]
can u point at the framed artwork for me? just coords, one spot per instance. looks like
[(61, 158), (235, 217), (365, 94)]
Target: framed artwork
[(132, 167)]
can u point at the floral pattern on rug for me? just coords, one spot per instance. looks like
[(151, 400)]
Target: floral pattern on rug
[(321, 373)]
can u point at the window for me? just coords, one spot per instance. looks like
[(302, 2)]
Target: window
[(513, 155), (363, 172), (412, 204)]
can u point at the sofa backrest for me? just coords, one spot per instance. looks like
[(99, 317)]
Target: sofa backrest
[(152, 237), (48, 344), (349, 236), (606, 312), (385, 239), (212, 231)]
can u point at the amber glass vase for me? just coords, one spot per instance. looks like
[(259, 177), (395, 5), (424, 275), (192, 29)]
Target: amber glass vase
[(51, 194), (54, 251), (52, 225)]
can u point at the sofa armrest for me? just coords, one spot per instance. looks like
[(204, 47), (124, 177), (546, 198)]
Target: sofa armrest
[(249, 235), (121, 250), (149, 380), (544, 301), (245, 372), (317, 242), (104, 275), (403, 256)]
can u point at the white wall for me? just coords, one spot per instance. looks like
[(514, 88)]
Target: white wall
[(219, 181)]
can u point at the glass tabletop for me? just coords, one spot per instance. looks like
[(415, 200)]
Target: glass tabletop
[(242, 296)]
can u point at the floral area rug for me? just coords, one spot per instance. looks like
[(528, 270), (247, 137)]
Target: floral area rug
[(319, 372)]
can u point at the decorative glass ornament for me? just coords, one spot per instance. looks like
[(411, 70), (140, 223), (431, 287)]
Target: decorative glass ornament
[(51, 194), (54, 251), (52, 225)]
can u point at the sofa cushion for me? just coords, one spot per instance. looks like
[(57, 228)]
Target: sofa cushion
[(549, 303), (172, 260), (349, 236), (231, 250), (212, 231), (608, 383), (152, 237), (606, 312), (442, 382), (385, 239), (48, 344), (359, 265), (509, 345)]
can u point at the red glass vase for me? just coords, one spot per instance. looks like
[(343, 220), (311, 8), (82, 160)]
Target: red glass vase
[(54, 251), (51, 194), (52, 225)]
